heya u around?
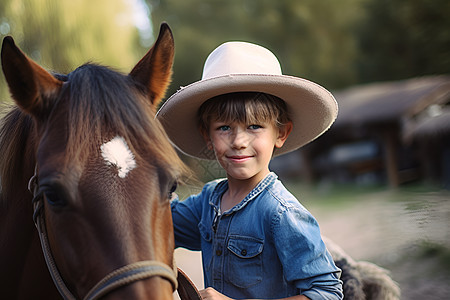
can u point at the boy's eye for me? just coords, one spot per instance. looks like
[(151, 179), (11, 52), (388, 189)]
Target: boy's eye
[(254, 127), (224, 128)]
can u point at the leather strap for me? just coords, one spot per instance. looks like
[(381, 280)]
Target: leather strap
[(129, 274), (186, 288)]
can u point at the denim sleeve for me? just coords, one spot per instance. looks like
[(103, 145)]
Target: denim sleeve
[(186, 216), (305, 259)]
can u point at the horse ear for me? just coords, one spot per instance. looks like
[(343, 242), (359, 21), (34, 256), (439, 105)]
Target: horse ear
[(154, 70), (28, 83)]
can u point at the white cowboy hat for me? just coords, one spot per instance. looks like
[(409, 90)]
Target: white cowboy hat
[(246, 67)]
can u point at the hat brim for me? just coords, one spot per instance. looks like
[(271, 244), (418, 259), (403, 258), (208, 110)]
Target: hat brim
[(311, 107)]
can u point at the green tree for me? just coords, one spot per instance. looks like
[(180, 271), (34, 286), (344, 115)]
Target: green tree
[(311, 38), (63, 34), (335, 43), (401, 39)]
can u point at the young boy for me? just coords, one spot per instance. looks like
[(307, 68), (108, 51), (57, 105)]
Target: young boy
[(257, 240)]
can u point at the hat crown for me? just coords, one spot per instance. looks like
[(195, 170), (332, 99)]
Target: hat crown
[(240, 58)]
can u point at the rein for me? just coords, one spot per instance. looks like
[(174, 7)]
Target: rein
[(117, 278)]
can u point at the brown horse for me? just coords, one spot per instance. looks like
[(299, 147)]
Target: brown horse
[(104, 170)]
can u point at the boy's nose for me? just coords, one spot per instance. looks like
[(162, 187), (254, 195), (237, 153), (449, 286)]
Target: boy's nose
[(240, 139)]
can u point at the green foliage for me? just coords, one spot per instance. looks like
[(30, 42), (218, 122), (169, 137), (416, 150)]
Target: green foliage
[(63, 34), (311, 38), (335, 43), (402, 39)]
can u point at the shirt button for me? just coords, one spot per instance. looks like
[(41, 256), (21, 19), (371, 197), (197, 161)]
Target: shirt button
[(218, 252), (244, 252)]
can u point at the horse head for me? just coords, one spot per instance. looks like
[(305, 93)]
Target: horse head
[(104, 169)]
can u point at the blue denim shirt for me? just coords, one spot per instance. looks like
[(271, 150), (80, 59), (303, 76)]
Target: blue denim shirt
[(267, 246)]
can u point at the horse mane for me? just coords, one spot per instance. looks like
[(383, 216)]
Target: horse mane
[(15, 129), (101, 101)]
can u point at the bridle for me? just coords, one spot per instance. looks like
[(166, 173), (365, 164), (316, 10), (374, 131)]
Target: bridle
[(117, 278)]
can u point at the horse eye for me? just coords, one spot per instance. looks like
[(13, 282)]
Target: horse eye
[(54, 193), (54, 198), (173, 189)]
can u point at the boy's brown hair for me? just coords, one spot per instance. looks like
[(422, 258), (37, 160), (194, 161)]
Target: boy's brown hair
[(243, 107)]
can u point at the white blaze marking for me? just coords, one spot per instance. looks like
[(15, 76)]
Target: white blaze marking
[(116, 153)]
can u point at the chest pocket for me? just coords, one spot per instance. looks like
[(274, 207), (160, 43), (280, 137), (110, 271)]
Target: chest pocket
[(245, 261)]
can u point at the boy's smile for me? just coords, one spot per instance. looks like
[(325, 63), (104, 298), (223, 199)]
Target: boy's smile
[(239, 158)]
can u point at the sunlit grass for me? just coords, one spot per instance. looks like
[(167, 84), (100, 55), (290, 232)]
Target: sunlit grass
[(331, 194)]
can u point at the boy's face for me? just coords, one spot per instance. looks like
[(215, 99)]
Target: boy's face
[(244, 151)]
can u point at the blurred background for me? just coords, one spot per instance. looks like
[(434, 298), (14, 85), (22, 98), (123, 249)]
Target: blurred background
[(378, 181)]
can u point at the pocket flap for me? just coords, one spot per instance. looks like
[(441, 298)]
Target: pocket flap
[(245, 247)]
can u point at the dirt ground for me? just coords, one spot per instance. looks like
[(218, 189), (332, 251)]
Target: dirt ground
[(410, 236), (406, 232)]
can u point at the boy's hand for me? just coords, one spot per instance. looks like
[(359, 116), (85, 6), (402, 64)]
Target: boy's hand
[(212, 294)]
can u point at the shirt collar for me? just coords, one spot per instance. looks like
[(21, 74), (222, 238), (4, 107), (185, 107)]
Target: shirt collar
[(222, 186)]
